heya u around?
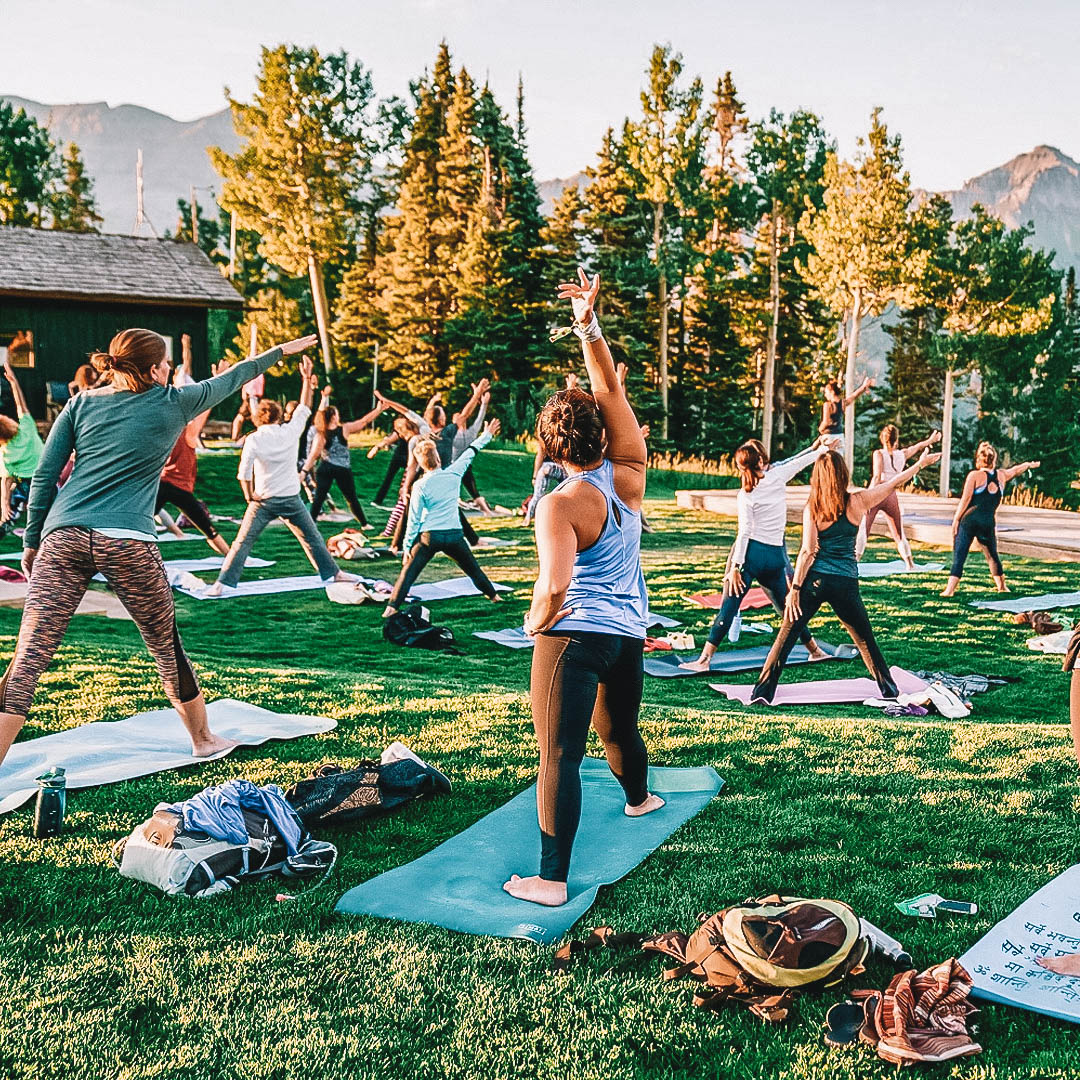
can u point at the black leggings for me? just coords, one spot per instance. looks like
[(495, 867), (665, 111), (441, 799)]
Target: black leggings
[(186, 502), (398, 460), (842, 595), (580, 679), (767, 564), (987, 536), (451, 542), (468, 482), (326, 475)]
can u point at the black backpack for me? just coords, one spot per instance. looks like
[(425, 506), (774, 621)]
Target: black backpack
[(411, 626)]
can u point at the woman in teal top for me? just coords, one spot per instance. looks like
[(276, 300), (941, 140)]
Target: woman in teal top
[(20, 452), (826, 571), (102, 521)]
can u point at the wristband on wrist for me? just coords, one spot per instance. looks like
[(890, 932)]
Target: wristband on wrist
[(795, 588), (590, 332)]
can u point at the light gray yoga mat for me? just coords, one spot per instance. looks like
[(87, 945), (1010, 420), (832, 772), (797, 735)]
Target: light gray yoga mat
[(105, 752), (665, 665), (1046, 602), (896, 566), (825, 691), (514, 637), (458, 885), (196, 588), (448, 589), (190, 566)]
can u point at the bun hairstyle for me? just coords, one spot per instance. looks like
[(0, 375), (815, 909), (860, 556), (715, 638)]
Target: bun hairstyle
[(829, 488), (986, 456), (268, 411), (751, 460), (426, 454), (131, 359), (8, 429), (570, 429), (324, 417), (889, 436)]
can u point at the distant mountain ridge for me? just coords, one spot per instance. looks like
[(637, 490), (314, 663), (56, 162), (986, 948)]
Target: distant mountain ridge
[(1041, 186), (174, 155)]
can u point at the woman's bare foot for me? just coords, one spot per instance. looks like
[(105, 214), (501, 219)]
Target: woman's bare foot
[(1061, 965), (344, 575), (701, 664), (651, 803), (948, 590), (217, 589), (537, 890), (212, 744), (1002, 587), (388, 611), (496, 599), (816, 652)]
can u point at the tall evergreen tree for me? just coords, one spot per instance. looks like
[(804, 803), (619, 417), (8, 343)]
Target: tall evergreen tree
[(862, 257), (72, 205), (305, 163)]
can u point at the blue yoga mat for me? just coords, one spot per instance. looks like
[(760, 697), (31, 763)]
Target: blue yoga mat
[(458, 885)]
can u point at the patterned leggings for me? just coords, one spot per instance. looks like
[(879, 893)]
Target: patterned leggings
[(66, 562)]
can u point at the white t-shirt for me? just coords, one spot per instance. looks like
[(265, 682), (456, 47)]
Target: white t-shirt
[(268, 459)]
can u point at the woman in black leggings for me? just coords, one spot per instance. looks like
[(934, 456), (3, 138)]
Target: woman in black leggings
[(976, 515), (827, 572), (330, 448)]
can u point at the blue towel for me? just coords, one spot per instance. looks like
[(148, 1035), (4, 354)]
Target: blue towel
[(458, 885), (217, 811)]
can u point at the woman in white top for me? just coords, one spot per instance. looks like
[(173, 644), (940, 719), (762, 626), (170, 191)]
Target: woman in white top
[(758, 552), (890, 461)]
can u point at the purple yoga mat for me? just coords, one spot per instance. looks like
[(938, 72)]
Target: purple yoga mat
[(825, 691)]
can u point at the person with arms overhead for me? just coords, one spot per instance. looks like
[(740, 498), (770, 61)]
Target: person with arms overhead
[(101, 521), (20, 451), (589, 609)]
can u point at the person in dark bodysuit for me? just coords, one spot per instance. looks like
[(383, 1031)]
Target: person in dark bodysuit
[(832, 410), (976, 515), (827, 572)]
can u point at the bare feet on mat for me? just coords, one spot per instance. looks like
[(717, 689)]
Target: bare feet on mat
[(343, 575), (816, 652), (211, 745), (1061, 965), (651, 803), (698, 665), (389, 611), (537, 890), (215, 590)]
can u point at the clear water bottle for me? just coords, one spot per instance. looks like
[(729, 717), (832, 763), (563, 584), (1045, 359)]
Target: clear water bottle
[(735, 630), (51, 802)]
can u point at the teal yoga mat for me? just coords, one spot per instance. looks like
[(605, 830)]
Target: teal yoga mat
[(458, 885)]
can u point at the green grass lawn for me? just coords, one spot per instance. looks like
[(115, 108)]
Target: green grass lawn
[(104, 977)]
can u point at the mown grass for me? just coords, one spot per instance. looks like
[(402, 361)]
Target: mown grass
[(106, 978)]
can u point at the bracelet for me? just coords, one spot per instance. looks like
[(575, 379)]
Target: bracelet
[(795, 588), (589, 333)]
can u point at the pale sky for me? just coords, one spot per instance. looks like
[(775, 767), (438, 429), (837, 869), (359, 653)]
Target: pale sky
[(967, 83)]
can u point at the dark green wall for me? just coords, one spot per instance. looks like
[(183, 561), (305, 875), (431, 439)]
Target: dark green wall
[(65, 333)]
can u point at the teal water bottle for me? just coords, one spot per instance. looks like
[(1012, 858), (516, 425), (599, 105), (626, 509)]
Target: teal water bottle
[(51, 802)]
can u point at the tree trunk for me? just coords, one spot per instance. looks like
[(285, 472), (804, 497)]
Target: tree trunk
[(322, 313), (946, 435), (768, 397), (849, 377), (662, 301)]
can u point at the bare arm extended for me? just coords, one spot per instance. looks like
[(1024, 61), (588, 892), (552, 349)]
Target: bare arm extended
[(917, 448), (626, 447), (21, 408), (861, 502), (866, 384), (807, 551), (1013, 472)]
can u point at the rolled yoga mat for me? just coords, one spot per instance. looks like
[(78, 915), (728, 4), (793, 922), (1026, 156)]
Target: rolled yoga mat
[(107, 751), (666, 665), (459, 885), (825, 691)]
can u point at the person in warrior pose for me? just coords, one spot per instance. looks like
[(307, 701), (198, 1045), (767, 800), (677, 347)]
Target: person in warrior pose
[(589, 609)]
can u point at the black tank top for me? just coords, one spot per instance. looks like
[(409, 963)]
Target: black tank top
[(832, 419), (836, 549), (982, 512)]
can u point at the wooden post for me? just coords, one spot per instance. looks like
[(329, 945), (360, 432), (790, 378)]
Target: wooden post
[(322, 312), (662, 302), (849, 377), (946, 435), (769, 390)]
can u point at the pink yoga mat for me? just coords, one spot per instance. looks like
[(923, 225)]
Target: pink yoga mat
[(755, 598), (825, 691)]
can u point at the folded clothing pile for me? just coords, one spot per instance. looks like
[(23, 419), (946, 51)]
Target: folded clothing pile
[(918, 1019)]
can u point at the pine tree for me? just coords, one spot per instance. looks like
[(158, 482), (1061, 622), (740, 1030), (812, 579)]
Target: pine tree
[(862, 257), (307, 157), (72, 205)]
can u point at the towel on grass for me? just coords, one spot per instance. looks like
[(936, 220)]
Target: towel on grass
[(105, 752)]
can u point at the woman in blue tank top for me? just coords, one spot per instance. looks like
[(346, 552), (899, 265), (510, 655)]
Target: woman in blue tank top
[(827, 572), (589, 608)]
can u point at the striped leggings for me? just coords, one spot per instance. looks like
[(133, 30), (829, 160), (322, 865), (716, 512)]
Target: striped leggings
[(66, 562)]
